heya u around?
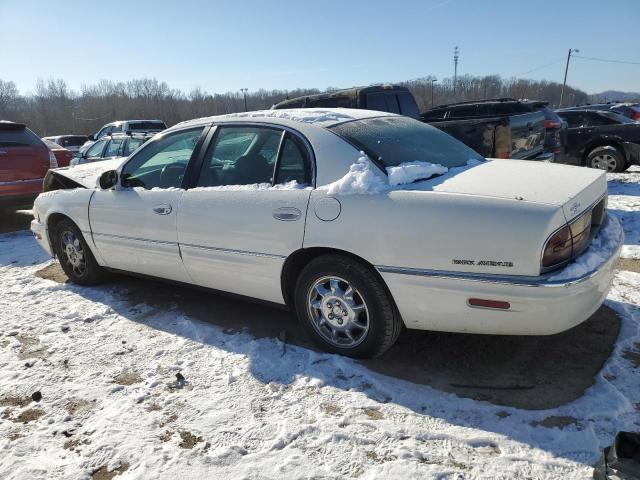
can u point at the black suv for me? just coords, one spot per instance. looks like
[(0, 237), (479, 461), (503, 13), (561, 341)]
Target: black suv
[(601, 139), (384, 98)]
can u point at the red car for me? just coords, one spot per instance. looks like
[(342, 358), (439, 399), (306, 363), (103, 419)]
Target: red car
[(63, 156), (24, 161)]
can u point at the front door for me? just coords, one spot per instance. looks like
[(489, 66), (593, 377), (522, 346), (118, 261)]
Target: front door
[(247, 211), (134, 227)]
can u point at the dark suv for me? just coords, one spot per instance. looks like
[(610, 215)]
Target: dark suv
[(384, 98)]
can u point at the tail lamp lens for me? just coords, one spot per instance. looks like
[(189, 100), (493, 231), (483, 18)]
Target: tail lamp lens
[(551, 124), (53, 163), (580, 231), (558, 248)]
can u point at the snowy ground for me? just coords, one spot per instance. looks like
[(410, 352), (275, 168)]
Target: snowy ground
[(257, 408)]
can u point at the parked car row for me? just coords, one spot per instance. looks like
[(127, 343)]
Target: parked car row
[(604, 136)]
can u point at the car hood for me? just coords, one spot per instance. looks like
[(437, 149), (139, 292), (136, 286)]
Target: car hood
[(572, 188), (87, 174)]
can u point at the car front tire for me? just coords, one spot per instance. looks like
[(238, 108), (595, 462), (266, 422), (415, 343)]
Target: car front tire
[(74, 255), (607, 158), (345, 308)]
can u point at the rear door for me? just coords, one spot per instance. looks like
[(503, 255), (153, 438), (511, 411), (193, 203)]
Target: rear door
[(247, 210)]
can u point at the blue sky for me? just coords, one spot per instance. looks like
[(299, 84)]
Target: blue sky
[(229, 44)]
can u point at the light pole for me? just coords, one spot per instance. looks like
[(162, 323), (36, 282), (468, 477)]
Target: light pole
[(244, 94), (564, 84), (456, 51), (432, 80)]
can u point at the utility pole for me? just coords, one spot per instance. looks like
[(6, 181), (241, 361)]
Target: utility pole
[(564, 84), (432, 80), (244, 94), (456, 51)]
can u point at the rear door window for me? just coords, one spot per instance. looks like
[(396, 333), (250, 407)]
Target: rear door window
[(463, 111), (376, 101), (408, 105), (114, 147), (293, 162), (132, 145)]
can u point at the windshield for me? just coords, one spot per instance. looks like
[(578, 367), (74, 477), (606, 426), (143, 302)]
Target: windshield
[(392, 141)]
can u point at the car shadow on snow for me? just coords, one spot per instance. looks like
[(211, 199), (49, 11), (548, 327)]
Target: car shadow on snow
[(630, 221), (515, 375), (518, 371)]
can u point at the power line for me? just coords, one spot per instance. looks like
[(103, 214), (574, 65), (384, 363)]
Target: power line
[(607, 60), (541, 67)]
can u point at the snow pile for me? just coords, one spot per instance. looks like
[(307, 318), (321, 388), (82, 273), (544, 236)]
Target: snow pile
[(602, 247), (411, 171), (365, 178), (624, 203), (304, 115)]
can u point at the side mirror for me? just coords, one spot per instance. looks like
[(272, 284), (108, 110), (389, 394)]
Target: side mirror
[(108, 179), (92, 138)]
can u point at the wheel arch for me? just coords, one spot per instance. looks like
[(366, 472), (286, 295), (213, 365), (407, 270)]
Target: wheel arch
[(603, 142), (297, 260)]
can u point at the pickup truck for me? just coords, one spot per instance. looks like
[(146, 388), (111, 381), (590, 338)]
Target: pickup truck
[(601, 139), (509, 129), (500, 128), (384, 98)]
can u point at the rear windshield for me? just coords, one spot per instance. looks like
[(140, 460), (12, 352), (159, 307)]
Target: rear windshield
[(19, 138), (395, 140), (147, 126), (75, 141)]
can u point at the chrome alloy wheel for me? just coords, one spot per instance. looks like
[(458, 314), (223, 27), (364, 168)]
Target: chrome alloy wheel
[(73, 252), (604, 161), (338, 312)]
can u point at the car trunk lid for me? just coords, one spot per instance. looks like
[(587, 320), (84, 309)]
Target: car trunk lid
[(572, 188)]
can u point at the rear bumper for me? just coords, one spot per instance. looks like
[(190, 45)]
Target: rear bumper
[(545, 305)]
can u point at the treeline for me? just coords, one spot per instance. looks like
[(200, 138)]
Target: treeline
[(56, 109)]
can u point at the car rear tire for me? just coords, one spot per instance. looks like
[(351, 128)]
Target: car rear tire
[(74, 255), (345, 308), (607, 158)]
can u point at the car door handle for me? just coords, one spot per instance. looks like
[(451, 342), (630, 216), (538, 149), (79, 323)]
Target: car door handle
[(287, 214), (163, 209)]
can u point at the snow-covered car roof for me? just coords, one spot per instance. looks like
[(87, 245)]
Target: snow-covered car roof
[(324, 117)]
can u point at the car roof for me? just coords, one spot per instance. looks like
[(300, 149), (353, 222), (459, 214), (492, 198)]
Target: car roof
[(322, 117)]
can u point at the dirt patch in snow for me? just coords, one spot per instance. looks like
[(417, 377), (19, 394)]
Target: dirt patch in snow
[(15, 401), (189, 440), (29, 415), (127, 379), (79, 406), (103, 473), (633, 356), (556, 421), (53, 272), (630, 264)]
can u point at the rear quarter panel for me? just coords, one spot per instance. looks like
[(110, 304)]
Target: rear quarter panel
[(435, 230)]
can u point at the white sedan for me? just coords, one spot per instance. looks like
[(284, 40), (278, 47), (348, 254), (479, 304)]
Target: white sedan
[(364, 222)]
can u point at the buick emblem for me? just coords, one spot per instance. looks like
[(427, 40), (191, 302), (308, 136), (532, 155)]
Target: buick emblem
[(574, 207)]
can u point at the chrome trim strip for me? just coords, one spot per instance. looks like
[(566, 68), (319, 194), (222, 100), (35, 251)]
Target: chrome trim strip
[(231, 250), (188, 245), (21, 182), (136, 239)]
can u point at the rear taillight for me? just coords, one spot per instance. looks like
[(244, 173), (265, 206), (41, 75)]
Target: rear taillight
[(558, 248), (569, 241), (635, 115), (53, 163), (548, 124)]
